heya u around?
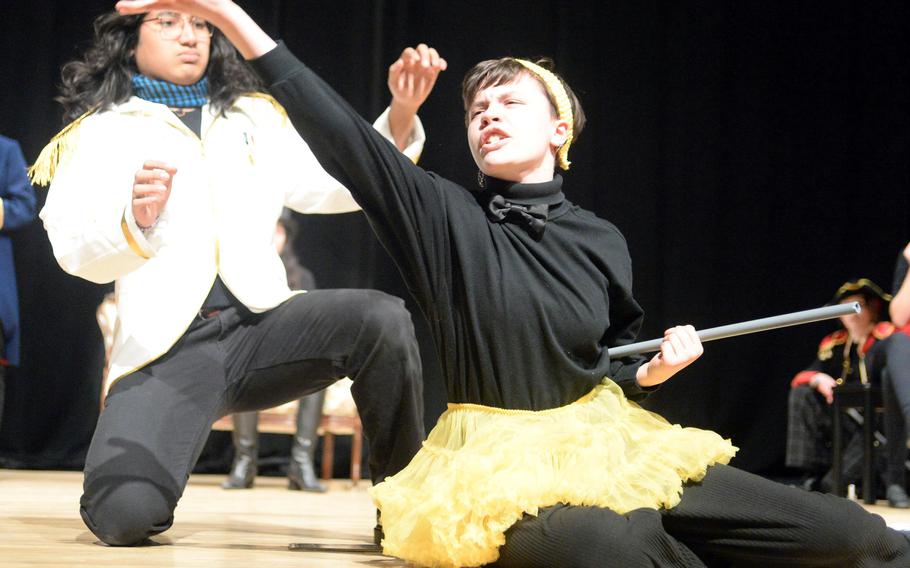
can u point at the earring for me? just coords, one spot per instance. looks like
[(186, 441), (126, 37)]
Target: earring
[(481, 180)]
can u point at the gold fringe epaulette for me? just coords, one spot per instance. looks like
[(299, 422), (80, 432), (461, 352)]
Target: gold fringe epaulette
[(267, 97), (829, 342), (883, 330), (58, 149)]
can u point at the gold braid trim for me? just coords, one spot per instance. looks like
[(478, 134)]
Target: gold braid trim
[(57, 150), (130, 239), (563, 106), (859, 285)]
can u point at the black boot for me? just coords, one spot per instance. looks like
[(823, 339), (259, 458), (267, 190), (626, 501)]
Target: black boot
[(246, 449), (301, 475), (897, 497)]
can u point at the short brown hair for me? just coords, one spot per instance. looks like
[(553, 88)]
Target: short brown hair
[(494, 72)]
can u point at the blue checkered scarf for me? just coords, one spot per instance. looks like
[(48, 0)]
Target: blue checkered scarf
[(171, 94)]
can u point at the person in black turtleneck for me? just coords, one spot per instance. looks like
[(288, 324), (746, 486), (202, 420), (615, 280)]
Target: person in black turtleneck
[(540, 459)]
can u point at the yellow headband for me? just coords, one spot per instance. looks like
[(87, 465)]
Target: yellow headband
[(563, 106)]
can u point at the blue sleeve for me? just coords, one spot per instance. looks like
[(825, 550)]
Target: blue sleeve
[(15, 190)]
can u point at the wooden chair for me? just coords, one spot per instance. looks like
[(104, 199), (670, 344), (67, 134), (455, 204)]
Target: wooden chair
[(339, 417), (276, 420), (868, 397)]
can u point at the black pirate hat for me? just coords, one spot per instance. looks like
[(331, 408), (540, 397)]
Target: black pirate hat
[(861, 287)]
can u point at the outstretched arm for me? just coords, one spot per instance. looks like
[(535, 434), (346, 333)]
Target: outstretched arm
[(411, 77)]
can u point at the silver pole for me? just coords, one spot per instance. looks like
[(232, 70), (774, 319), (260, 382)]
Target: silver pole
[(742, 328)]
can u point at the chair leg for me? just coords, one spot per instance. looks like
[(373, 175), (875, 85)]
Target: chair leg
[(838, 448), (356, 452), (328, 454), (868, 450)]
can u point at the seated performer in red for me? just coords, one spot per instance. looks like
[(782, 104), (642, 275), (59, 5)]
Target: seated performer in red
[(541, 460), (858, 353)]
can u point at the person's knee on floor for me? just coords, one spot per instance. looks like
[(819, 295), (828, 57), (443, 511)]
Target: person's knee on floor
[(127, 513)]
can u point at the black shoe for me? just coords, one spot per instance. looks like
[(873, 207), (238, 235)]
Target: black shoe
[(378, 535), (243, 473), (302, 476), (809, 483), (897, 497), (246, 451)]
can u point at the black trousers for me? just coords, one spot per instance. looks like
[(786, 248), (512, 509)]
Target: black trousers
[(730, 519), (156, 420), (896, 351)]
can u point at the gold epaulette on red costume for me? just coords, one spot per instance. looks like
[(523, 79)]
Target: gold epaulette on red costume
[(825, 348), (56, 151)]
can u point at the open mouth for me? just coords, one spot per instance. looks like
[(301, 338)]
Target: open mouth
[(492, 140)]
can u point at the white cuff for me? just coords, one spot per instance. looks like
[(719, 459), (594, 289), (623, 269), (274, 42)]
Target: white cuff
[(416, 139), (144, 243)]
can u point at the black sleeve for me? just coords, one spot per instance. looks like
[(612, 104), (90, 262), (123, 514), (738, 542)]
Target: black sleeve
[(402, 202), (626, 317), (819, 366), (831, 365)]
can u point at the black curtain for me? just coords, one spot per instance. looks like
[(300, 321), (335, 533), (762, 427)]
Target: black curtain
[(753, 153)]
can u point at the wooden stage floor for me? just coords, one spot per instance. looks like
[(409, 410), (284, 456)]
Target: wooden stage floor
[(213, 528)]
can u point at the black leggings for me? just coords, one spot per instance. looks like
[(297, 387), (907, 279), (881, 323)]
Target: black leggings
[(730, 519)]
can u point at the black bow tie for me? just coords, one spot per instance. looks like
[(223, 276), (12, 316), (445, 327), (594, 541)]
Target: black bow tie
[(532, 217)]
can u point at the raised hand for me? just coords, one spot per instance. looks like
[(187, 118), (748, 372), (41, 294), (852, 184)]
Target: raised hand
[(413, 75), (151, 191), (208, 9), (237, 26)]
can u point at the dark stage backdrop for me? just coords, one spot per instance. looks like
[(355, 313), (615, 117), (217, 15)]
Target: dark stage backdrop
[(753, 153)]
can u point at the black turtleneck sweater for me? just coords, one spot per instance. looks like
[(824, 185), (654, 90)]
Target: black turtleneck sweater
[(520, 321)]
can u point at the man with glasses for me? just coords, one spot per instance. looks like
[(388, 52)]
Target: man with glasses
[(169, 181)]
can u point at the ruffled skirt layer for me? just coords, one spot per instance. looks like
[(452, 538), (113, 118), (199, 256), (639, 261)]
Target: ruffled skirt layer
[(483, 468)]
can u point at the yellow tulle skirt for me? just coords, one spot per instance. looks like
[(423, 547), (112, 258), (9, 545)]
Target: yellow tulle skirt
[(482, 468)]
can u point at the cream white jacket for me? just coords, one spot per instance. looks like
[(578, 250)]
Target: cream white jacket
[(226, 197)]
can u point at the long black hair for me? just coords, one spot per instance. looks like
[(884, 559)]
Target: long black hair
[(103, 76)]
